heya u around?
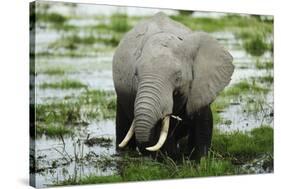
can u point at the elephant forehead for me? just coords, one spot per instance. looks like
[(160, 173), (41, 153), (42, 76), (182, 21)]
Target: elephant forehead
[(161, 44), (161, 62), (167, 40)]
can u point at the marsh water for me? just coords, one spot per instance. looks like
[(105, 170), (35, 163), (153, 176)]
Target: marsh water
[(62, 157)]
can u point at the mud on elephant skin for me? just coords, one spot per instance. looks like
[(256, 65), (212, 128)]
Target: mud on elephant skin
[(163, 71)]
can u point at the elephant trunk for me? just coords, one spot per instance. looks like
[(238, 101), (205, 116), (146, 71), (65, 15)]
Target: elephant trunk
[(152, 104)]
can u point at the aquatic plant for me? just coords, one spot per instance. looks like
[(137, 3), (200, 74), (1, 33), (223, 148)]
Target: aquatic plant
[(52, 130), (265, 79), (119, 22), (264, 65), (54, 18), (91, 104), (256, 46), (244, 87), (64, 84), (54, 71)]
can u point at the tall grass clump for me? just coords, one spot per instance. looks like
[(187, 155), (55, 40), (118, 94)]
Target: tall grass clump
[(256, 45), (119, 22), (266, 79), (72, 42), (54, 18), (53, 130), (243, 146), (54, 71), (264, 65), (64, 84), (61, 112)]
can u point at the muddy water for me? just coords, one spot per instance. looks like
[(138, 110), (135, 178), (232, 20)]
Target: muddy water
[(55, 157)]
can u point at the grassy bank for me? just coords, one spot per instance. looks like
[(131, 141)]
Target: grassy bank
[(229, 151)]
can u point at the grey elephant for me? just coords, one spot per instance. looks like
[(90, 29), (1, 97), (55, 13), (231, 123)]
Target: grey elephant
[(165, 77)]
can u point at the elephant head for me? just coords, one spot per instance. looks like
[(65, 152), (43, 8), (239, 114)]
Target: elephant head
[(175, 72)]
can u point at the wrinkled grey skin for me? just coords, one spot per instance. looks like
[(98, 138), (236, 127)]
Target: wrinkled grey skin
[(161, 68)]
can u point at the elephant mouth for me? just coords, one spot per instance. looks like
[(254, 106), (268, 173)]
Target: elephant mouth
[(161, 140)]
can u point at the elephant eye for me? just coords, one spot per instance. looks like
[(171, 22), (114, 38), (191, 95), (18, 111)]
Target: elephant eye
[(178, 75), (136, 73)]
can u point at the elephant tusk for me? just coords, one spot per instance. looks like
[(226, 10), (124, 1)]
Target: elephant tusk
[(128, 136), (163, 135)]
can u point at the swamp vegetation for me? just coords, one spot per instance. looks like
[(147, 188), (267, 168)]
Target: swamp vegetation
[(75, 102)]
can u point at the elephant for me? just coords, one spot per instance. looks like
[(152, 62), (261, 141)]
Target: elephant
[(166, 76)]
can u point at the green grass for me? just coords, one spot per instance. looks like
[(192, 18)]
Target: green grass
[(147, 169), (73, 41), (208, 167), (91, 104), (104, 103), (64, 84), (265, 79), (65, 27), (244, 87), (144, 169), (254, 32), (229, 22), (257, 106), (244, 146), (61, 112), (53, 130), (264, 65), (119, 22), (54, 71), (55, 18), (228, 152), (255, 41), (81, 40), (256, 46), (89, 51)]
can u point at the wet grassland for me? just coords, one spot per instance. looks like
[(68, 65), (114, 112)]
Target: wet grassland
[(76, 103)]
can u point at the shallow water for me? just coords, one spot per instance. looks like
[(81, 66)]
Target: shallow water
[(53, 155), (241, 121)]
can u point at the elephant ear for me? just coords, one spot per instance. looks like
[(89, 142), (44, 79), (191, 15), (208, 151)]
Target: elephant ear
[(211, 69)]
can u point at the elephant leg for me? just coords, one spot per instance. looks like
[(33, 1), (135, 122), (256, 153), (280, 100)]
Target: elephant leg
[(200, 135), (123, 124)]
